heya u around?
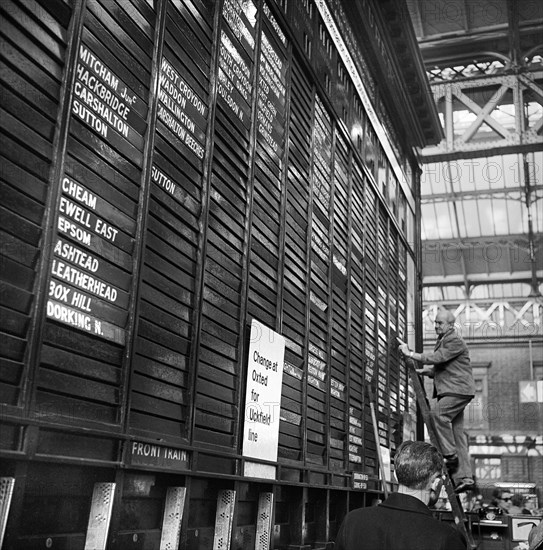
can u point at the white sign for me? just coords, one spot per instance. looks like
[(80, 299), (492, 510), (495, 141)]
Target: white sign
[(263, 394), (385, 455), (527, 391)]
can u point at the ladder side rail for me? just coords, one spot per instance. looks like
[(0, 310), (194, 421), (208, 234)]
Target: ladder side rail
[(377, 442), (456, 507)]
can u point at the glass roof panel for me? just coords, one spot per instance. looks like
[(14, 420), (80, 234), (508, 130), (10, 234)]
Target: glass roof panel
[(445, 223), (537, 216), (470, 222), (483, 199), (461, 212), (432, 294), (477, 169), (498, 212), (434, 179), (428, 223), (489, 218), (442, 293), (499, 290), (511, 172), (518, 221), (535, 161), (465, 175), (453, 293)]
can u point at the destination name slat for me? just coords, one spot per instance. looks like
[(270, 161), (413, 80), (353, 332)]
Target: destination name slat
[(120, 106), (93, 62), (234, 100), (78, 192), (277, 61), (72, 297), (172, 105), (270, 20), (235, 66), (87, 323), (75, 232), (182, 93), (316, 383), (70, 274), (233, 13), (102, 119), (83, 260), (89, 119), (180, 131), (163, 181), (95, 224), (184, 143), (293, 371)]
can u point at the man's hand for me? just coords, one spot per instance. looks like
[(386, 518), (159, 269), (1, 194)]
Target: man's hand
[(426, 370), (404, 348)]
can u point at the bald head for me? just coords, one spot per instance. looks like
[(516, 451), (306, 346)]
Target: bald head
[(444, 320), (446, 315)]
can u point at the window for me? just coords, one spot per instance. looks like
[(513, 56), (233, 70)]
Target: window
[(488, 469), (476, 415)]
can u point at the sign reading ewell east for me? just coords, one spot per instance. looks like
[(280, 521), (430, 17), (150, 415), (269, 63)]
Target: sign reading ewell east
[(263, 398)]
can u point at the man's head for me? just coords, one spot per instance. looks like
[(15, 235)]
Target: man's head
[(444, 321), (505, 500), (417, 464)]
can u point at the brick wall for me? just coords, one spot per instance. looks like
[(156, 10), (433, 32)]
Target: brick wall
[(509, 364)]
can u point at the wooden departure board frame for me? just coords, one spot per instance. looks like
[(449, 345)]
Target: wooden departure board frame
[(173, 171)]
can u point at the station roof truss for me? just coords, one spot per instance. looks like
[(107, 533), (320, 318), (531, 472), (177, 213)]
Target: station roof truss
[(481, 186)]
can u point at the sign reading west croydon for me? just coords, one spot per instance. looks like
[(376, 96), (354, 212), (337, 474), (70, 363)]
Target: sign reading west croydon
[(263, 394)]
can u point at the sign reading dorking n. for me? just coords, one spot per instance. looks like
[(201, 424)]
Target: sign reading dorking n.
[(263, 398)]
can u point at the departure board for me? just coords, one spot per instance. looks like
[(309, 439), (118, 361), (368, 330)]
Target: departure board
[(296, 270), (318, 369), (341, 339), (90, 272), (227, 233), (167, 292), (92, 260), (193, 173), (265, 232), (359, 320)]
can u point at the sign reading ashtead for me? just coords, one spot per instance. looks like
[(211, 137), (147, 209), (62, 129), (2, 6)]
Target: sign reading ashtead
[(263, 398)]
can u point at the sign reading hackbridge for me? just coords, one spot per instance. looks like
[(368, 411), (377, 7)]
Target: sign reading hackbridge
[(263, 394)]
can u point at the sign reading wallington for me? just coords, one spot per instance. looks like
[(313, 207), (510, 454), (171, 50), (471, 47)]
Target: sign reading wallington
[(263, 394)]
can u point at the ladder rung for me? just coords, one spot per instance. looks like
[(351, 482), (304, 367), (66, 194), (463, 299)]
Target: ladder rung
[(456, 508)]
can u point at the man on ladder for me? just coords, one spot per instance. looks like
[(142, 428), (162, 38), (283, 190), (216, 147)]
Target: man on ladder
[(454, 387)]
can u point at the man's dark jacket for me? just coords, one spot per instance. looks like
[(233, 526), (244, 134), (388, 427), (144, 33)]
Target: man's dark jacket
[(452, 369), (402, 522)]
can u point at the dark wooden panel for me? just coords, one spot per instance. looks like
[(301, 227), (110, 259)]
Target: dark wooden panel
[(32, 57)]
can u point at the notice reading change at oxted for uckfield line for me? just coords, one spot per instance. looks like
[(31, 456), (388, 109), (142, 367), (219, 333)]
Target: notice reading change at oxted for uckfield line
[(263, 395)]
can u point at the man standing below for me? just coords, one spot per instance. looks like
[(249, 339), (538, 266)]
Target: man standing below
[(454, 388), (403, 521)]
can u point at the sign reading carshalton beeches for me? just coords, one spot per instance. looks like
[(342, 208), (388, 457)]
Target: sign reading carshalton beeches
[(263, 394)]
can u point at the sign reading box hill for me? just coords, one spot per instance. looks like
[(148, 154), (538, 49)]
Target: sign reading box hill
[(263, 399)]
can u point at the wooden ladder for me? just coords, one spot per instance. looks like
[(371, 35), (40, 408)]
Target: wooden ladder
[(456, 507)]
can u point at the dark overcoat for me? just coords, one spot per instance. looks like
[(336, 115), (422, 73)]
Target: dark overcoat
[(401, 522)]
